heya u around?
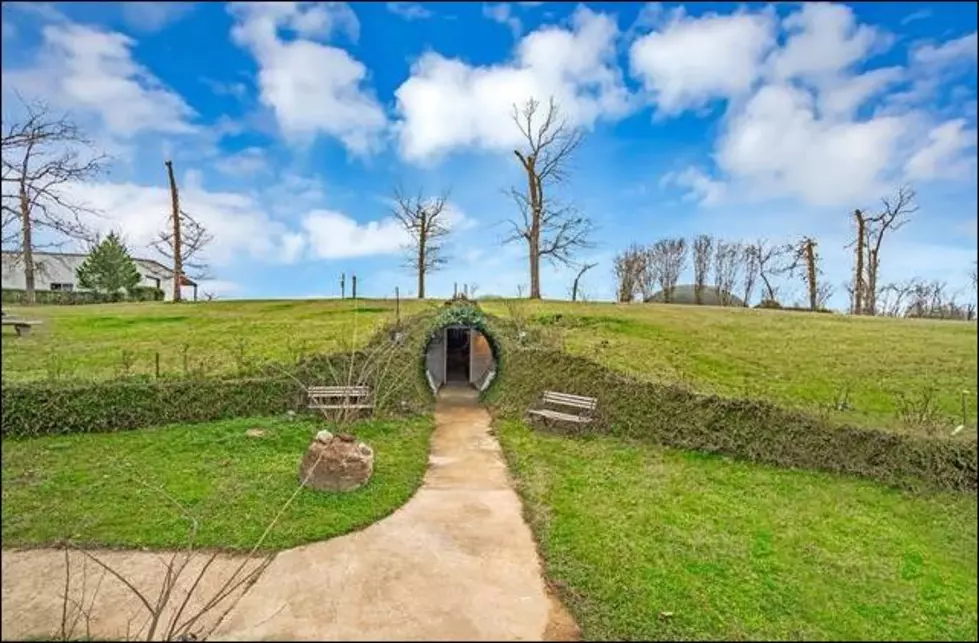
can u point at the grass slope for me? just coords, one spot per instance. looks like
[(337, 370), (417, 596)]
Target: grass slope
[(795, 359), (737, 551), (89, 341), (104, 489)]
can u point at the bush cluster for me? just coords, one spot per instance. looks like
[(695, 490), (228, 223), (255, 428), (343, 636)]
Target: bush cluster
[(752, 430)]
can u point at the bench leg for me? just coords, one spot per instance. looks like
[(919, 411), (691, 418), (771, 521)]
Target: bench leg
[(22, 330)]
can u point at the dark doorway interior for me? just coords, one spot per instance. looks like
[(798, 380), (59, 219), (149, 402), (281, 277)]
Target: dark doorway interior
[(457, 355)]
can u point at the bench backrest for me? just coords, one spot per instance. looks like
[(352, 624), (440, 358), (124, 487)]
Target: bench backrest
[(566, 399), (339, 391)]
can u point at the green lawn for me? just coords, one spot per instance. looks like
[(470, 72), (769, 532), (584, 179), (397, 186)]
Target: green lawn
[(656, 544), (105, 489), (101, 341), (795, 359)]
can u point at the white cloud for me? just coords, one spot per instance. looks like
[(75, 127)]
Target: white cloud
[(218, 287), (824, 40), (962, 49), (946, 153), (701, 187), (312, 87), (447, 104), (795, 125), (247, 162), (409, 10), (151, 17), (238, 223), (688, 61), (334, 235), (779, 146), (502, 13), (86, 69)]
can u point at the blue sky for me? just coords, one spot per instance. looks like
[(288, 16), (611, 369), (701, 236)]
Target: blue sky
[(291, 123)]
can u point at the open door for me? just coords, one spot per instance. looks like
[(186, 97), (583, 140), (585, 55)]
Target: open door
[(480, 358), (435, 360)]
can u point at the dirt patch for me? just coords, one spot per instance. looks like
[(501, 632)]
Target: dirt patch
[(560, 623)]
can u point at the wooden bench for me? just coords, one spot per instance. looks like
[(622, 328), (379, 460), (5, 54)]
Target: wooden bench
[(585, 405), (22, 326), (340, 398)]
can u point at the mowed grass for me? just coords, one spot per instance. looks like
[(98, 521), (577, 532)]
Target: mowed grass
[(120, 489), (652, 544), (802, 360), (105, 340)]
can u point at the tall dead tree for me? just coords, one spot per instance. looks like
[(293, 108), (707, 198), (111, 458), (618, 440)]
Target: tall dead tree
[(581, 271), (859, 272), (703, 246), (806, 263), (667, 258), (629, 267), (551, 230), (41, 158), (424, 220), (183, 240), (896, 212), (772, 262), (749, 271)]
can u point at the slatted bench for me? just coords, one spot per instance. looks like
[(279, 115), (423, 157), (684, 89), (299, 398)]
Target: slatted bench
[(585, 405), (340, 398), (22, 326)]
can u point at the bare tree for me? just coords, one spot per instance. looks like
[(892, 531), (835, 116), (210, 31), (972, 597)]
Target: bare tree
[(183, 241), (629, 268), (666, 259), (41, 158), (859, 287), (424, 221), (703, 247), (726, 269), (806, 264), (749, 273), (552, 230), (772, 262), (972, 276), (581, 271), (897, 211), (824, 290)]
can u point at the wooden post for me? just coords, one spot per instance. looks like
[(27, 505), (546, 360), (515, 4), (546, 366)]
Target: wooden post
[(343, 285), (157, 364), (455, 290), (397, 305), (353, 286)]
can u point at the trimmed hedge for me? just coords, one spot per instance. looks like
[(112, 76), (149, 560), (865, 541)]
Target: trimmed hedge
[(117, 405), (747, 429), (78, 297)]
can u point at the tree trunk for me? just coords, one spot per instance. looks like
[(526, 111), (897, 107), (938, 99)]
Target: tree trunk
[(421, 262), (858, 283), (536, 207), (811, 273), (178, 267), (28, 244)]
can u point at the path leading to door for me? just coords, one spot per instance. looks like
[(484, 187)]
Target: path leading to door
[(457, 562)]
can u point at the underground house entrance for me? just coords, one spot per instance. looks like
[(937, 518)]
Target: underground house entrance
[(459, 355)]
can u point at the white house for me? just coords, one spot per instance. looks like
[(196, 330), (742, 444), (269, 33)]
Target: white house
[(56, 271)]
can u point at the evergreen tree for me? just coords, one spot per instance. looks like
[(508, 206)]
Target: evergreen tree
[(109, 269)]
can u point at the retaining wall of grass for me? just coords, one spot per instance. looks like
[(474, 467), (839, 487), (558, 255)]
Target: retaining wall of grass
[(747, 429)]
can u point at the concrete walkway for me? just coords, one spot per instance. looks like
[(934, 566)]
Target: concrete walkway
[(457, 562)]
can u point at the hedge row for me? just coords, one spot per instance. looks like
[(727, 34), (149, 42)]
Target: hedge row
[(746, 429), (33, 409), (77, 297)]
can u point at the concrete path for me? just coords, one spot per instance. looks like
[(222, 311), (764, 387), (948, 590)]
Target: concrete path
[(457, 562)]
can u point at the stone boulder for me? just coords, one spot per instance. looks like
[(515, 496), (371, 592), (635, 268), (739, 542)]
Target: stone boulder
[(336, 463)]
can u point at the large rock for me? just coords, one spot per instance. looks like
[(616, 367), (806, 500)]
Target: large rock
[(336, 463)]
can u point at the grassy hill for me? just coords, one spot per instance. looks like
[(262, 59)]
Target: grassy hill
[(795, 359), (687, 294)]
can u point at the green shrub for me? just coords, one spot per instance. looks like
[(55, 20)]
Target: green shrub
[(769, 303), (748, 429), (77, 297)]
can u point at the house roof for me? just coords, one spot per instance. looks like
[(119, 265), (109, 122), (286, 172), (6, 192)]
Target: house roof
[(185, 280)]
